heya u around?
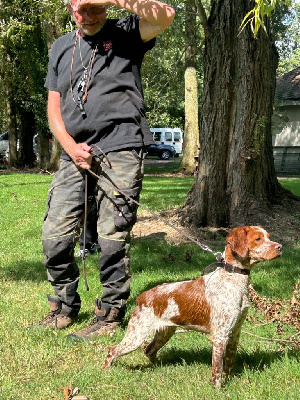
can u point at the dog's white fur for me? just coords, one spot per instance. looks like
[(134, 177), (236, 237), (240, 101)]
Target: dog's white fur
[(216, 303)]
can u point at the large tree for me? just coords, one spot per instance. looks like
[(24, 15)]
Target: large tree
[(236, 175)]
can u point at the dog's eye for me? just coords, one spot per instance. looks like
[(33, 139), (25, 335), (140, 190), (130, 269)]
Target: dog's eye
[(258, 239)]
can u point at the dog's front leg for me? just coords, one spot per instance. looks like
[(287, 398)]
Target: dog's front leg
[(230, 354), (231, 348), (219, 345)]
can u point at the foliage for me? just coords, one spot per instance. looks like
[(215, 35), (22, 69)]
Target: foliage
[(256, 17), (28, 27), (24, 42), (288, 42), (162, 73)]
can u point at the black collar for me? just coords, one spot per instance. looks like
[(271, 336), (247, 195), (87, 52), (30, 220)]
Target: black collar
[(227, 267)]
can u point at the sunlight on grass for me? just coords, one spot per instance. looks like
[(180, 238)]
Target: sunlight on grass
[(36, 363)]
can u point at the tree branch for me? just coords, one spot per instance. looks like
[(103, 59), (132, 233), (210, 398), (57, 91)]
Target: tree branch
[(203, 17), (287, 340)]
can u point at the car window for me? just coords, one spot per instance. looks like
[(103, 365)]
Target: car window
[(168, 136), (4, 136), (157, 136), (176, 136)]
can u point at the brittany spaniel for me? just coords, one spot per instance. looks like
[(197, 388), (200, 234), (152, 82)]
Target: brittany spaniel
[(215, 303)]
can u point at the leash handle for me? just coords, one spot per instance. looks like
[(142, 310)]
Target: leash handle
[(84, 231)]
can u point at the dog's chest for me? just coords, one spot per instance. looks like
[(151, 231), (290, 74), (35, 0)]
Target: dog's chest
[(226, 293)]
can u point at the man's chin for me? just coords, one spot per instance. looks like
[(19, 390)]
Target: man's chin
[(90, 30)]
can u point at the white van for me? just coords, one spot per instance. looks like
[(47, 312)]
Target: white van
[(170, 136), (4, 143)]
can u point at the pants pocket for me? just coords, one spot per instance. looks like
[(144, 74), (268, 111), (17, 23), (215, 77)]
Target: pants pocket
[(125, 209)]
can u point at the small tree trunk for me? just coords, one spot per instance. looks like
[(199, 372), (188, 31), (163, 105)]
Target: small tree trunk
[(236, 169), (55, 156), (26, 154), (191, 129), (44, 154), (12, 133)]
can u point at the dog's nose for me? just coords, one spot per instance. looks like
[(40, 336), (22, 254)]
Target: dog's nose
[(278, 247)]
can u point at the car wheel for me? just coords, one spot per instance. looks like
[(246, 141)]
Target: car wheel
[(165, 155)]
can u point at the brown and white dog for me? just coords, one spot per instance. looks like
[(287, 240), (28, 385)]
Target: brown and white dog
[(215, 303)]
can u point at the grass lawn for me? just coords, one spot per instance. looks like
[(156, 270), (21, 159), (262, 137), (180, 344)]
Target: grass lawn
[(36, 363)]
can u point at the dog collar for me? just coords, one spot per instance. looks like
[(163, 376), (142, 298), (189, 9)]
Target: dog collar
[(227, 267)]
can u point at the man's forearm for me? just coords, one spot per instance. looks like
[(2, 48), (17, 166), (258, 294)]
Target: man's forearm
[(79, 152), (57, 125), (155, 12)]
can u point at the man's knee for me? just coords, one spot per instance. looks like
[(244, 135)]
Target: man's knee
[(114, 260), (58, 250)]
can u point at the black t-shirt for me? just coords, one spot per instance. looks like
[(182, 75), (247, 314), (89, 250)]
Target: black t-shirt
[(115, 114)]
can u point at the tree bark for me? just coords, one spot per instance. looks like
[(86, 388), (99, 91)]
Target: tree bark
[(27, 130), (191, 128), (44, 153), (236, 174), (55, 156), (12, 133)]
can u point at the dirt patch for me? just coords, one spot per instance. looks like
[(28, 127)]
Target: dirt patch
[(282, 222)]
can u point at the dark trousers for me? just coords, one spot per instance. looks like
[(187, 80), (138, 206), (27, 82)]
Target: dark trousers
[(91, 235), (116, 217)]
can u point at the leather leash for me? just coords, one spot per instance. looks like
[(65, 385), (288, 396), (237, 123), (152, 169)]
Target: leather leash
[(84, 233), (204, 247)]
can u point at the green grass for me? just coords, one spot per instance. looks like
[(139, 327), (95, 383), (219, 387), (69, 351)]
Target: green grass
[(291, 184), (35, 363)]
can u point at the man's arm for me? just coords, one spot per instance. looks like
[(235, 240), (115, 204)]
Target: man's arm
[(79, 152), (155, 15)]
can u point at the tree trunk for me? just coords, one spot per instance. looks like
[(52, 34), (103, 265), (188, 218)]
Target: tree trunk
[(12, 133), (236, 173), (191, 129), (55, 156), (43, 149), (26, 154)]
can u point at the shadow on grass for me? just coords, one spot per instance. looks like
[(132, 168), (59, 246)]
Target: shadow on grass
[(255, 361), (20, 271), (259, 360)]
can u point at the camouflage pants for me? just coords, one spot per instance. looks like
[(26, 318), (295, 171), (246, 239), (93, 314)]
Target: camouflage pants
[(116, 217)]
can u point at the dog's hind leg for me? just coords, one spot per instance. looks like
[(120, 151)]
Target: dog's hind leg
[(160, 339), (140, 325)]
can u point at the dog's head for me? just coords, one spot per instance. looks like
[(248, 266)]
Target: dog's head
[(252, 243)]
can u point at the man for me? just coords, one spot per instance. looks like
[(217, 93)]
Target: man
[(96, 111)]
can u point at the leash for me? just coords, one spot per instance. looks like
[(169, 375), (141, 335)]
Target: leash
[(84, 233), (204, 247)]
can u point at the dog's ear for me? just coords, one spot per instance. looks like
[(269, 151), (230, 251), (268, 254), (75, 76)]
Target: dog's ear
[(237, 240)]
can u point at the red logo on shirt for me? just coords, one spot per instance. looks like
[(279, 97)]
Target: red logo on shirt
[(107, 45)]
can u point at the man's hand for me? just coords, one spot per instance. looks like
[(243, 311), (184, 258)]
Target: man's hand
[(82, 155)]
